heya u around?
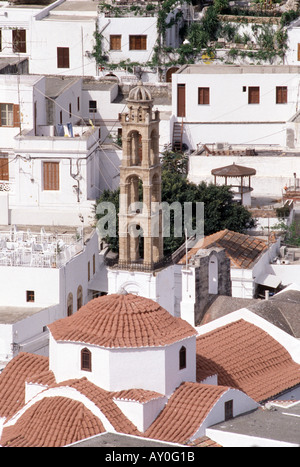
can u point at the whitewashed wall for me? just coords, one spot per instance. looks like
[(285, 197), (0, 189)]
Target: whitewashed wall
[(49, 32), (228, 117), (150, 368)]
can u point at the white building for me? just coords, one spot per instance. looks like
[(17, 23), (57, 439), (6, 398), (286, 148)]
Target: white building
[(45, 276), (52, 166), (238, 105), (56, 39), (130, 36), (144, 375), (60, 38)]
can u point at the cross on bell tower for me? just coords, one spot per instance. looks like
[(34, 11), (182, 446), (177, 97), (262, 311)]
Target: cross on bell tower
[(140, 217)]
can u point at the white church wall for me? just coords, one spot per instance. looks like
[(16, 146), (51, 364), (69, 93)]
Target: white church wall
[(141, 414), (241, 404), (173, 374)]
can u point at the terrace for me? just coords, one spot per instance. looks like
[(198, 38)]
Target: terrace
[(23, 248)]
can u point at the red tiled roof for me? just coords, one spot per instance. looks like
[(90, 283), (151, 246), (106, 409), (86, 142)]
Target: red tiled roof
[(52, 422), (64, 421), (13, 377), (247, 358), (122, 321), (186, 410), (242, 250), (204, 442), (104, 401), (138, 395)]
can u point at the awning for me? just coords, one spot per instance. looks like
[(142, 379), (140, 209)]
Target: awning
[(268, 280)]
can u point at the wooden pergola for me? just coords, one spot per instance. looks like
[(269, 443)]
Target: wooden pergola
[(236, 171)]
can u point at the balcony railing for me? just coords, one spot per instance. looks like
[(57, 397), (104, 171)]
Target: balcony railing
[(7, 186), (43, 250)]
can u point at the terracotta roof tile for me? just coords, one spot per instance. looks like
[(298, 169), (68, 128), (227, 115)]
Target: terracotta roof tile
[(13, 377), (138, 395), (122, 321), (104, 401), (52, 422), (247, 358), (204, 442), (186, 410), (242, 250)]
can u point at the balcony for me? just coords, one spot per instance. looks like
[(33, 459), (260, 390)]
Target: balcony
[(7, 187), (42, 250)]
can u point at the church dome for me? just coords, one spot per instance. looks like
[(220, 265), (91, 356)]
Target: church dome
[(120, 321), (139, 94)]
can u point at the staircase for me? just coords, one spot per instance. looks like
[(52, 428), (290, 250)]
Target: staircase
[(177, 136)]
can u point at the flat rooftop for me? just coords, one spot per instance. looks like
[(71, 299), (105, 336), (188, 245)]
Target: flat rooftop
[(14, 314), (238, 69), (78, 5), (276, 422)]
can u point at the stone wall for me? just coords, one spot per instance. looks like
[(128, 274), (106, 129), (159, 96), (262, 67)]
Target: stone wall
[(203, 297)]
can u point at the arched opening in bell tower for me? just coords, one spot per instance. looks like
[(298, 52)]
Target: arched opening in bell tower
[(154, 148), (135, 148)]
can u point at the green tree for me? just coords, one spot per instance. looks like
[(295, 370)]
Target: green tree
[(220, 211)]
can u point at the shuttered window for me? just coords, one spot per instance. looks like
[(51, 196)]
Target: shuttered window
[(19, 40), (4, 174), (115, 42), (253, 95), (9, 115), (281, 95), (181, 100), (51, 175), (63, 58), (137, 42), (203, 96)]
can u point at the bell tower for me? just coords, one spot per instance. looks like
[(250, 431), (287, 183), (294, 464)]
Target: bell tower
[(140, 216)]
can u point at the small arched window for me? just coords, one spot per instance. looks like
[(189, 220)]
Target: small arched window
[(182, 358), (79, 297), (70, 304), (86, 360)]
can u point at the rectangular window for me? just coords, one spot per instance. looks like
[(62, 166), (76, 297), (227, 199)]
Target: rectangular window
[(4, 174), (228, 409), (203, 96), (92, 106), (9, 115), (253, 95), (89, 271), (115, 42), (78, 104), (137, 42), (181, 100), (70, 110), (51, 175), (63, 58), (281, 95), (29, 296), (0, 40), (19, 40), (298, 53), (94, 264)]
